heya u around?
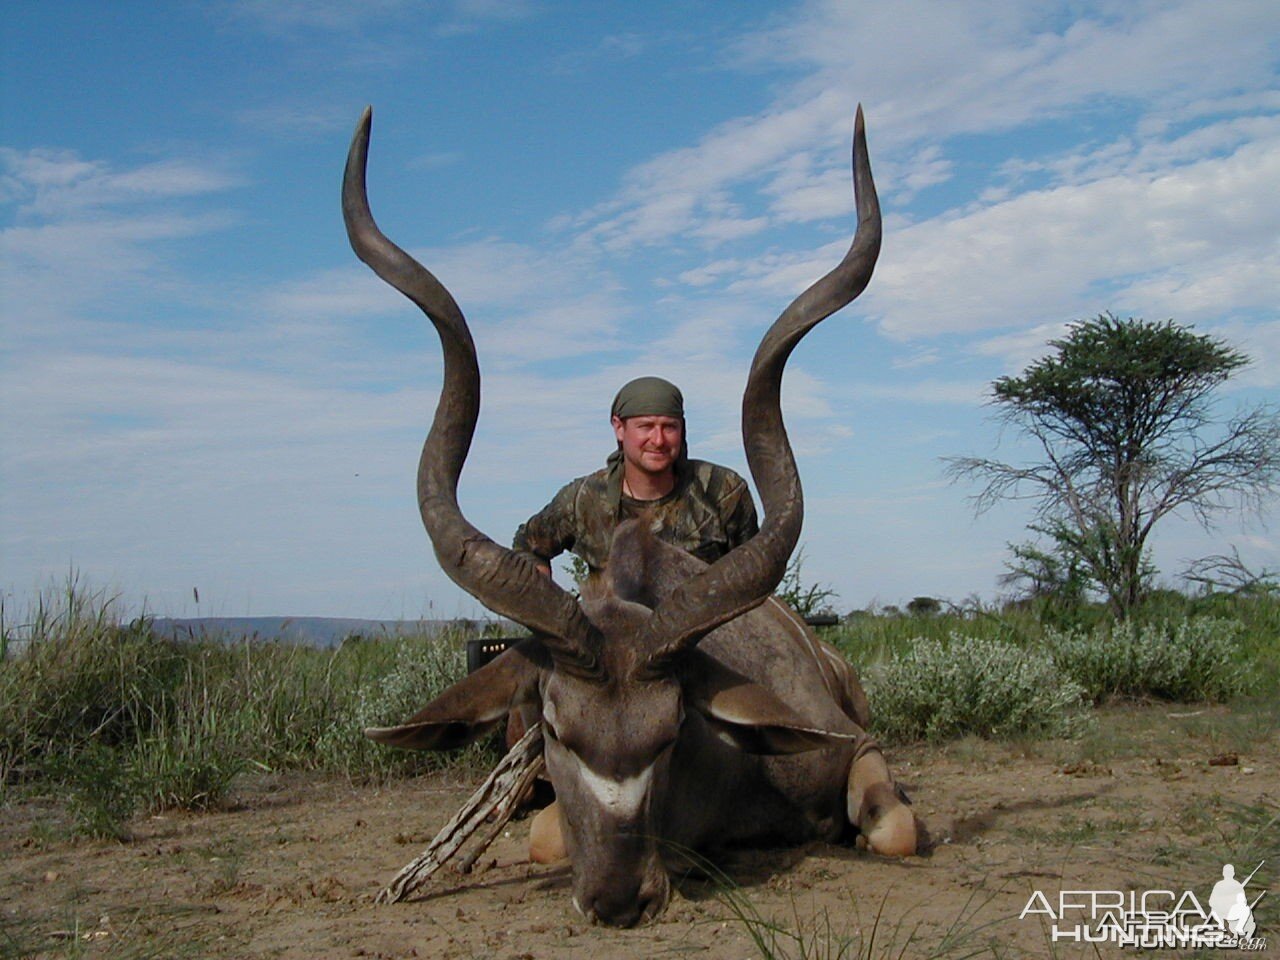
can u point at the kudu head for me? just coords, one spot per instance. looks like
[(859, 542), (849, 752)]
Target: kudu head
[(618, 675)]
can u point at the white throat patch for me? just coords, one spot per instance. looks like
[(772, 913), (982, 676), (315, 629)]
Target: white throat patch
[(622, 798)]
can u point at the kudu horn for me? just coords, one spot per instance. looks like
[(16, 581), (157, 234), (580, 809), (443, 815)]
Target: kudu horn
[(745, 577), (503, 580)]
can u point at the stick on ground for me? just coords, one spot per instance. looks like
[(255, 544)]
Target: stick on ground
[(498, 795)]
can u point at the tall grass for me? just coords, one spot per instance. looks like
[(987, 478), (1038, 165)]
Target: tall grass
[(867, 638), (122, 720)]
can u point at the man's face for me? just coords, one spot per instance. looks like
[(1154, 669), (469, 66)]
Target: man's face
[(650, 443)]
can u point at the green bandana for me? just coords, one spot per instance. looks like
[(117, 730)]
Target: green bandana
[(648, 396)]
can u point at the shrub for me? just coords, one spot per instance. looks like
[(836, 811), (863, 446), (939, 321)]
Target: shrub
[(805, 599), (1185, 660), (421, 669), (924, 607), (100, 790), (939, 690)]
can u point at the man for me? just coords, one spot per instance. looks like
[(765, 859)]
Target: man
[(698, 506), (701, 507)]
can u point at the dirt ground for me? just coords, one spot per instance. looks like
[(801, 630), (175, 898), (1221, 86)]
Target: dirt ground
[(1150, 800)]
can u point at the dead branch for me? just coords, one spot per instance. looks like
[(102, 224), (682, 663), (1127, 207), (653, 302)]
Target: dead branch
[(498, 796)]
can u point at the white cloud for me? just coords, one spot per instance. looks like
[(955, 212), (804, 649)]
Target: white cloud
[(525, 305), (1190, 241), (610, 49), (1260, 341), (59, 184), (495, 9), (666, 195), (297, 119), (85, 236), (1019, 348), (925, 391), (927, 72)]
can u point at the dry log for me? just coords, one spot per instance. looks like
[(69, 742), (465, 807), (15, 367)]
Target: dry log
[(498, 796)]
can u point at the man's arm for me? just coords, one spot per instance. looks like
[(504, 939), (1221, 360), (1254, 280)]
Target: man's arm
[(550, 531), (739, 513)]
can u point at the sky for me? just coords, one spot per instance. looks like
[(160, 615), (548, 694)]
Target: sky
[(209, 407)]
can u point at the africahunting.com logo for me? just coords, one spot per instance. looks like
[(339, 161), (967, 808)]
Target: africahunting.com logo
[(1155, 918)]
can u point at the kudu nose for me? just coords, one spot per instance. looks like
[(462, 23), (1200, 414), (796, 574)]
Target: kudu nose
[(628, 905)]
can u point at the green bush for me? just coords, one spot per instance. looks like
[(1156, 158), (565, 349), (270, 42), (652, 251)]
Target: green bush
[(420, 670), (938, 690), (99, 787), (1183, 660)]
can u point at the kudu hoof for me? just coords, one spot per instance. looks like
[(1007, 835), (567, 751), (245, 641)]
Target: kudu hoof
[(879, 810), (887, 825)]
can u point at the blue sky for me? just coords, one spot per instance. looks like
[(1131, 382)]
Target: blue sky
[(201, 388)]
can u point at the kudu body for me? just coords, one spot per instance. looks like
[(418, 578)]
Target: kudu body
[(681, 705)]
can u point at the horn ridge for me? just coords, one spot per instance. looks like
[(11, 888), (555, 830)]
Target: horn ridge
[(746, 576), (501, 579)]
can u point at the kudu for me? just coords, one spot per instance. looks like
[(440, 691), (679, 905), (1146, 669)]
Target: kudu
[(681, 706)]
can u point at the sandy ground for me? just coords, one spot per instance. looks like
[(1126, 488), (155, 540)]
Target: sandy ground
[(291, 869)]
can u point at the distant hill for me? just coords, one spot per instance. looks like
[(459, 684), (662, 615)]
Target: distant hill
[(311, 631)]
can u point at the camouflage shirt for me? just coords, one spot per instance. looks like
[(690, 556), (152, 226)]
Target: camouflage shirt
[(709, 512)]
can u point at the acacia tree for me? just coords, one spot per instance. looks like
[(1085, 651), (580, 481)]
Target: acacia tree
[(1123, 413), (1055, 574)]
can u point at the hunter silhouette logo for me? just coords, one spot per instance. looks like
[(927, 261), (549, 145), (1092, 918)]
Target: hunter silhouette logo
[(1156, 918), (1229, 903)]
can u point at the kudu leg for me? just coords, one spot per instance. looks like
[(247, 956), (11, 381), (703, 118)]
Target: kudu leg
[(546, 836), (875, 806)]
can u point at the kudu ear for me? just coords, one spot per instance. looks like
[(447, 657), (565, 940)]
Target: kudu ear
[(472, 706), (748, 715)]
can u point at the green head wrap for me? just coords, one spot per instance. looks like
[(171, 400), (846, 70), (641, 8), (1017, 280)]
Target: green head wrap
[(644, 397), (648, 396)]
